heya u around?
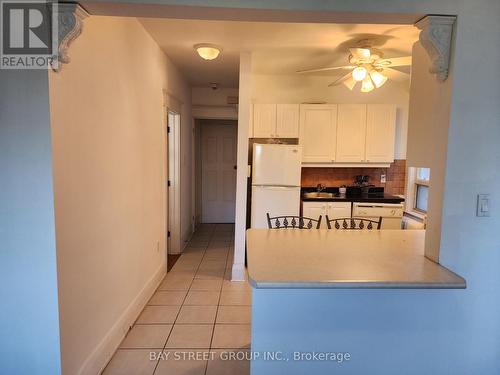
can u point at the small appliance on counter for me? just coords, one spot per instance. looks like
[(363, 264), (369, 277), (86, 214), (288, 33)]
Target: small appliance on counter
[(276, 171), (361, 180), (361, 186)]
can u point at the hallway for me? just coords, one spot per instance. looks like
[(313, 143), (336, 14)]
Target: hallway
[(196, 318)]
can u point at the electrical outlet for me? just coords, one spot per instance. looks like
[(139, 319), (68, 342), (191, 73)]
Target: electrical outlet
[(382, 178)]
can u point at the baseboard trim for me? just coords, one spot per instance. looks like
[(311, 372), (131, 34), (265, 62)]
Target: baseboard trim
[(99, 358), (238, 272)]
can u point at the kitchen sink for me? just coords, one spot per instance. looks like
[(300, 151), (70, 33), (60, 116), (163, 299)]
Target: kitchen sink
[(317, 195)]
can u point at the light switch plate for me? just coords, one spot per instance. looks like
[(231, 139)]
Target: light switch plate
[(382, 179), (483, 205)]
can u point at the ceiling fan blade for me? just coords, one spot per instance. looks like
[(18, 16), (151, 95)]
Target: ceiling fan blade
[(326, 69), (360, 53), (396, 75), (340, 80), (398, 61)]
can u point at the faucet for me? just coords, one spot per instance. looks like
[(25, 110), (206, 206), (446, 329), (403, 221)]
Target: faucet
[(320, 188)]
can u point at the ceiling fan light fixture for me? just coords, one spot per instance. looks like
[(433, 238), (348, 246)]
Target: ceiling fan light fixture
[(378, 78), (207, 51), (360, 53), (350, 82), (367, 84), (359, 73)]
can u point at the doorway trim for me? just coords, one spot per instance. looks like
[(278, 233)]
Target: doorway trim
[(172, 181)]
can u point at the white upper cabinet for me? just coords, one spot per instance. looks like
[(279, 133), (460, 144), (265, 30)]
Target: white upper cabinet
[(264, 120), (275, 121), (380, 133), (318, 125), (351, 133), (287, 121), (341, 134)]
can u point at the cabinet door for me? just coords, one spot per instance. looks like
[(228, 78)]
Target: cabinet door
[(287, 121), (264, 120), (318, 130), (380, 133), (338, 210), (351, 133), (313, 210)]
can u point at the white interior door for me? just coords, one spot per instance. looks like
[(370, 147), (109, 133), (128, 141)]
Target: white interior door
[(218, 150)]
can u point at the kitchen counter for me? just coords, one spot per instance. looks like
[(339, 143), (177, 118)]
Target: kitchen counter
[(376, 195), (372, 198), (291, 258)]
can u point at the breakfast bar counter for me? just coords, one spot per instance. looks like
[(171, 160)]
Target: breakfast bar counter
[(331, 302), (291, 258)]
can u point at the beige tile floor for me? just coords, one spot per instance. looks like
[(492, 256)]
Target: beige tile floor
[(196, 317)]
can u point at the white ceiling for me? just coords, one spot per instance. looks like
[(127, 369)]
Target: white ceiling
[(278, 48)]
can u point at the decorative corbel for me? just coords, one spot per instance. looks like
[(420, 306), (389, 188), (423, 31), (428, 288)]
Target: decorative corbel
[(70, 18), (435, 37)]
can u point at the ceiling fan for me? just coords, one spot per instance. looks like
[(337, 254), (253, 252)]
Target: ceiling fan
[(368, 66)]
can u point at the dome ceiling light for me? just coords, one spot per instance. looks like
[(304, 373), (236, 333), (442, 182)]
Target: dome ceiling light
[(208, 51)]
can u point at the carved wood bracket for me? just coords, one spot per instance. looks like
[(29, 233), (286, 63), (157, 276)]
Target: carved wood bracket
[(436, 36), (70, 18)]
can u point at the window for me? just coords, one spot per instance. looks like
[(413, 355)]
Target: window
[(422, 176), (421, 197), (421, 189), (418, 190)]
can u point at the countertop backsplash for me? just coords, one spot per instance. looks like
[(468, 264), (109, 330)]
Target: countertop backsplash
[(334, 177)]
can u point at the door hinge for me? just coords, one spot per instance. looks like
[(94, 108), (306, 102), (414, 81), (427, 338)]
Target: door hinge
[(168, 183), (168, 234), (168, 129)]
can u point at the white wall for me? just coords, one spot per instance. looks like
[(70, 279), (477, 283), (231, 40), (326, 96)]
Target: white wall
[(109, 163), (428, 139), (212, 104), (208, 96), (244, 116), (307, 88), (29, 332)]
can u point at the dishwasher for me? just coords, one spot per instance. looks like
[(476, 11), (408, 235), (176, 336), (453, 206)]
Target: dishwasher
[(391, 213)]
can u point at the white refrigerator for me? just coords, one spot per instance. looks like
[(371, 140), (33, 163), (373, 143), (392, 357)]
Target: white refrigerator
[(276, 172)]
